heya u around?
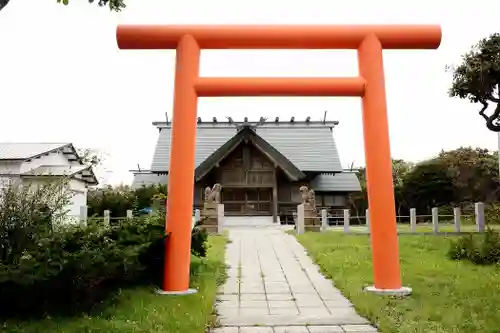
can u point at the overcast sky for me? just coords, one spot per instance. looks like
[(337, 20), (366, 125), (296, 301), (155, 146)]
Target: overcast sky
[(63, 79)]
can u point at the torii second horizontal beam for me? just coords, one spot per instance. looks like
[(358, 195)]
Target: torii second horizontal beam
[(286, 86)]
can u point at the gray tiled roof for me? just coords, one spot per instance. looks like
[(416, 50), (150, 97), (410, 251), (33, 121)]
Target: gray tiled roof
[(22, 151), (338, 182), (148, 178), (308, 147)]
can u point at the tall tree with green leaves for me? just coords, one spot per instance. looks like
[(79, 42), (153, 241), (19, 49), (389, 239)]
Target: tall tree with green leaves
[(474, 172), (429, 184), (400, 168), (477, 78)]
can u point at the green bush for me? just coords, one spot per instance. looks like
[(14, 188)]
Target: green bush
[(74, 268), (199, 239), (492, 213), (479, 249), (28, 213), (70, 268)]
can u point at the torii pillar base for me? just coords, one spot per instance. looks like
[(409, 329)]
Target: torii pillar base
[(401, 292)]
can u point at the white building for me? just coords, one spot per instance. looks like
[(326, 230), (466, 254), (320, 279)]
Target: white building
[(32, 162)]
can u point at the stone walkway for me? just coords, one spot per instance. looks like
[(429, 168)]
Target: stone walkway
[(274, 287)]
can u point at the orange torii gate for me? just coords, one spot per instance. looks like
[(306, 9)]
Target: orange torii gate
[(369, 40)]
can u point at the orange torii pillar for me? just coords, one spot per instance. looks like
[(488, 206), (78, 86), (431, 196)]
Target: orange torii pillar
[(369, 40)]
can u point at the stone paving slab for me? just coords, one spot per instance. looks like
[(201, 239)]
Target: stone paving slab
[(274, 287)]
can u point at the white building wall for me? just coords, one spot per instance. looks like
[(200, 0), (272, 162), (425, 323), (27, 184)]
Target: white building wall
[(10, 167), (9, 171), (55, 158), (78, 191), (79, 198)]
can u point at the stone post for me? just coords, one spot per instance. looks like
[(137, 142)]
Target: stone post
[(197, 215), (480, 216), (220, 218), (130, 214), (299, 225), (107, 218), (347, 216), (456, 218), (413, 219), (367, 219), (83, 215), (324, 219), (435, 220)]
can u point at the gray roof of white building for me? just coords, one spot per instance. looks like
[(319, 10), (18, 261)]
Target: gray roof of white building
[(309, 146), (25, 150)]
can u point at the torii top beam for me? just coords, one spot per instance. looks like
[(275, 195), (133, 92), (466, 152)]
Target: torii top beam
[(278, 36)]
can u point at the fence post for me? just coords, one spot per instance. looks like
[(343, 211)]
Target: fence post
[(435, 220), (107, 218), (299, 224), (367, 219), (83, 215), (324, 219), (130, 214), (347, 216), (220, 218), (456, 218), (479, 216), (197, 216), (413, 219)]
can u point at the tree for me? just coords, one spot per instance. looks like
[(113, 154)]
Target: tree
[(400, 169), (3, 3), (117, 200), (358, 201), (114, 5), (92, 157), (429, 184), (474, 173), (28, 212), (145, 194), (477, 78)]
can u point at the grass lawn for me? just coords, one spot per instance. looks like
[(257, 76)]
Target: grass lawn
[(141, 310), (448, 296)]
